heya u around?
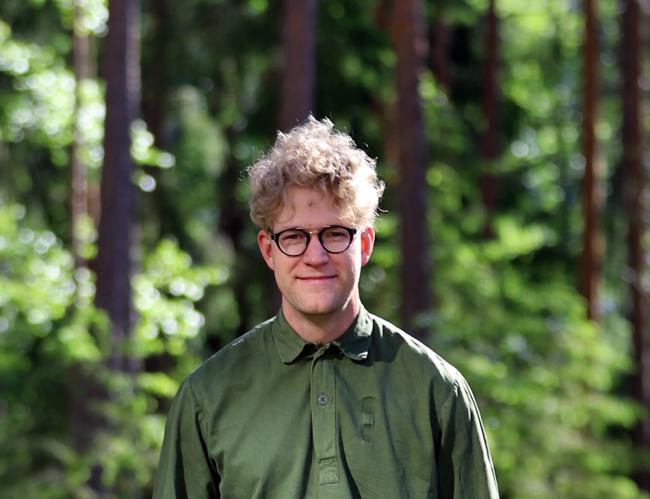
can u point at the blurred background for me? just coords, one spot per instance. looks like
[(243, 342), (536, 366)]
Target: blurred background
[(513, 238)]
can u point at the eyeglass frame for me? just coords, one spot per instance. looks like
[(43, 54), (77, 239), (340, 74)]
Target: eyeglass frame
[(275, 236)]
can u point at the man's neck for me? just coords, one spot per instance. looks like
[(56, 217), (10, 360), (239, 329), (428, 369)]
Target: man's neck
[(321, 328)]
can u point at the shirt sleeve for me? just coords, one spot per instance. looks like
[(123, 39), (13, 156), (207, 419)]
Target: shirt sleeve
[(185, 469), (465, 469)]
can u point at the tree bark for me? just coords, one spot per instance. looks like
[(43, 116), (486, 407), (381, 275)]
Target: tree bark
[(81, 418), (78, 183), (117, 219), (489, 138), (232, 222), (632, 131), (591, 198), (155, 104), (299, 41), (440, 42), (410, 47)]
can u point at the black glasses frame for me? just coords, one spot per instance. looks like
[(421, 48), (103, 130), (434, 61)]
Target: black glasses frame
[(275, 236)]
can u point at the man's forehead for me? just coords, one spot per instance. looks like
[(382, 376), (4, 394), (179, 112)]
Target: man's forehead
[(303, 203)]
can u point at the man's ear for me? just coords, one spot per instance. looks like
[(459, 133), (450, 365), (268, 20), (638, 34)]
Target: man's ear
[(265, 244), (367, 244)]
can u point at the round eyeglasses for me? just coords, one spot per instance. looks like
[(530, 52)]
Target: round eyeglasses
[(333, 239)]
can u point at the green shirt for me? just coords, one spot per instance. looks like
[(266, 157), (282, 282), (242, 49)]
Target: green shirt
[(375, 414)]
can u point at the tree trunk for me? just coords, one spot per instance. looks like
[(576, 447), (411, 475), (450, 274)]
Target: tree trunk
[(410, 47), (117, 218), (384, 112), (78, 183), (299, 40), (156, 79), (81, 417), (591, 200), (633, 172), (440, 41), (232, 222), (155, 104), (489, 138)]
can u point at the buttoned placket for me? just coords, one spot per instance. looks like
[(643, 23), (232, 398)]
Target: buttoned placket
[(323, 415)]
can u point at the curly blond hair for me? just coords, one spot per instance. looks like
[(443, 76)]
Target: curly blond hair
[(315, 155)]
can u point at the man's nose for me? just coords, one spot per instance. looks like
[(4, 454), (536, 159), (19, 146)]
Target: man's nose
[(315, 253)]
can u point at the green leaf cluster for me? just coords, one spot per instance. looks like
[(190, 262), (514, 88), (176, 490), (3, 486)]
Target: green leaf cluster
[(53, 340)]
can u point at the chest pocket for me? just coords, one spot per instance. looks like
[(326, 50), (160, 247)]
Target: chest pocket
[(386, 456)]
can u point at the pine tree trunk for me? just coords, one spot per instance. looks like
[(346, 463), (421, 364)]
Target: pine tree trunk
[(156, 79), (591, 199), (489, 139), (232, 222), (117, 219), (440, 41), (78, 181), (634, 190), (299, 41), (410, 47)]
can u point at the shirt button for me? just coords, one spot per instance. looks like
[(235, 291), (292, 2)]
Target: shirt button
[(323, 399)]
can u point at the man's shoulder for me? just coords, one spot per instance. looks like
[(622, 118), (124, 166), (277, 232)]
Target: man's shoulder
[(394, 344), (240, 353)]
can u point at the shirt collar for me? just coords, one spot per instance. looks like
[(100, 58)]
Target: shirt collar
[(354, 342)]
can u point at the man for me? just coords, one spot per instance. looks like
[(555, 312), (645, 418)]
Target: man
[(325, 400)]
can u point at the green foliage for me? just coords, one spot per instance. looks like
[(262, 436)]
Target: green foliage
[(50, 334), (165, 294), (42, 334), (37, 117), (143, 150), (93, 15), (44, 103), (543, 373)]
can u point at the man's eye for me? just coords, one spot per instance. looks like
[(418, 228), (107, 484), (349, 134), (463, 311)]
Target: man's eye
[(293, 237), (336, 234)]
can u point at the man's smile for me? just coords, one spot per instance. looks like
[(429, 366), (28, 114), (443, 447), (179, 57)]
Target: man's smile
[(318, 278)]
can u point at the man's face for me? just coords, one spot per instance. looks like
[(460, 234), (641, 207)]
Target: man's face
[(316, 285)]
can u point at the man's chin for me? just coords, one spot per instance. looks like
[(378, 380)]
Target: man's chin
[(318, 311), (319, 308)]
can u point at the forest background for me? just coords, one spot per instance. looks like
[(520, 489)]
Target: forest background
[(513, 237)]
